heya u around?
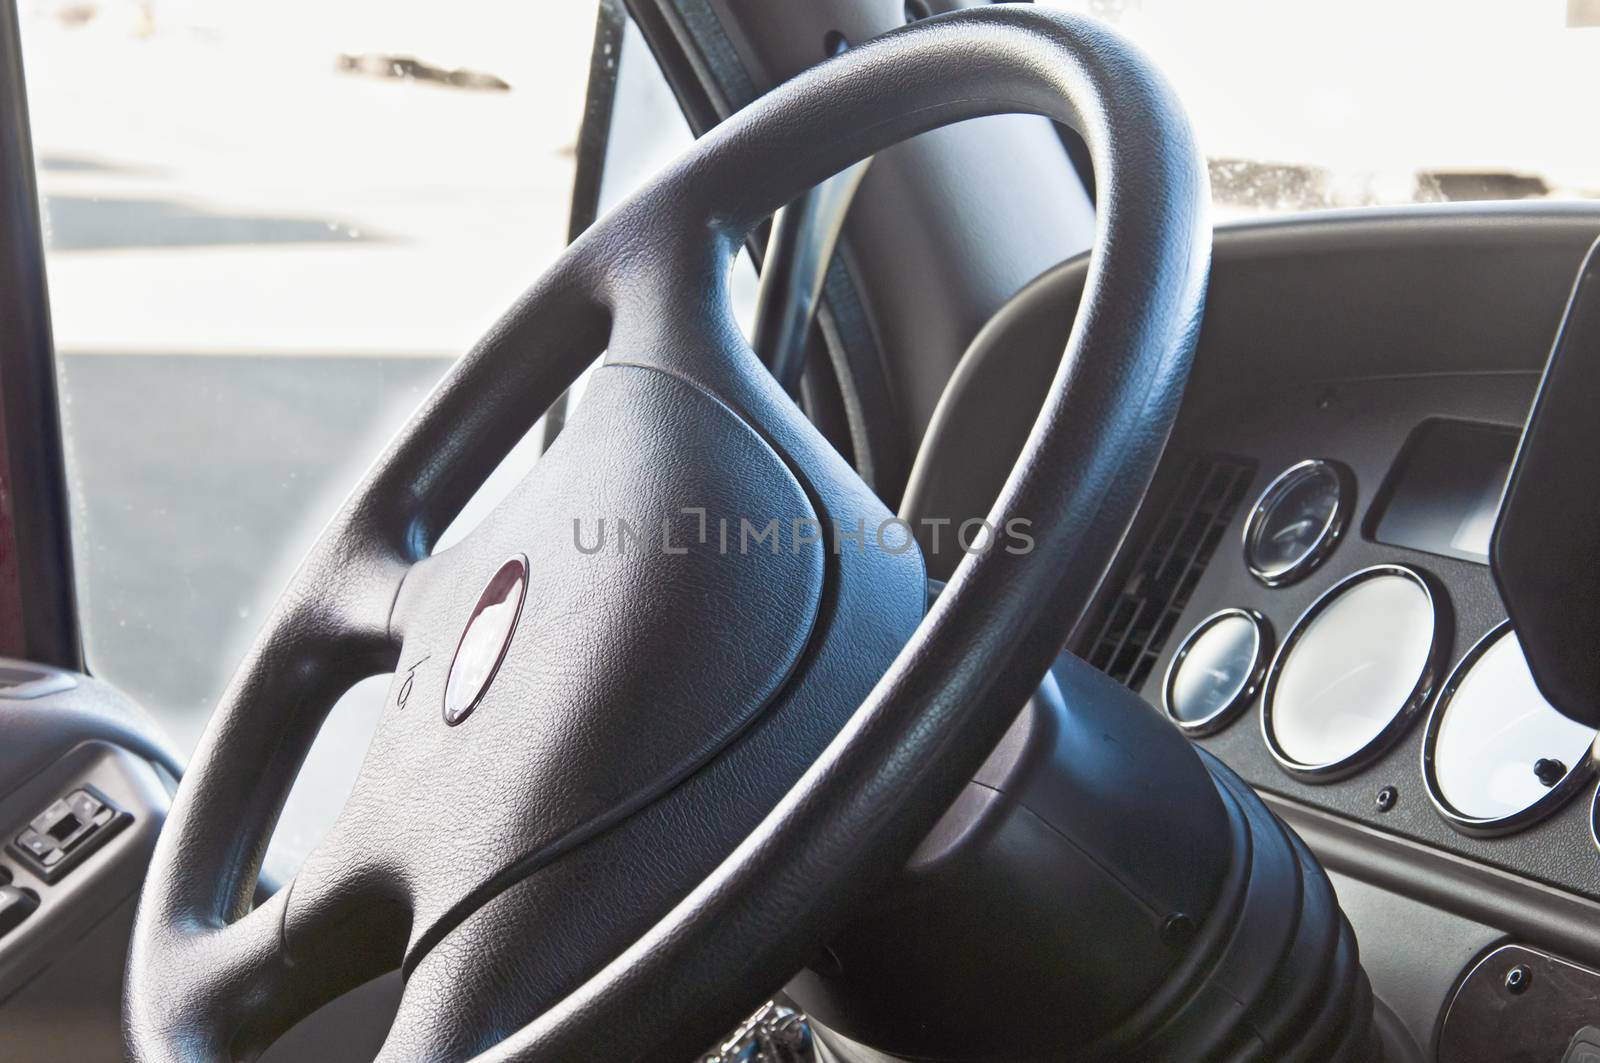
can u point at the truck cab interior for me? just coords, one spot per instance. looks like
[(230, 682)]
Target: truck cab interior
[(859, 531)]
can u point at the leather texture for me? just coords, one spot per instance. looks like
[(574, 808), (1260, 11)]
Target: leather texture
[(641, 653), (634, 902)]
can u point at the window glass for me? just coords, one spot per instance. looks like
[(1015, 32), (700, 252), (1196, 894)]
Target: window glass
[(1372, 102), (270, 227)]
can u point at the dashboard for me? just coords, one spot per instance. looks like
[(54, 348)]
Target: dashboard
[(1306, 590), (1385, 685)]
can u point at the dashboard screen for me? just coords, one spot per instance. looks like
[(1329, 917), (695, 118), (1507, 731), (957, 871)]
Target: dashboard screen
[(1444, 492)]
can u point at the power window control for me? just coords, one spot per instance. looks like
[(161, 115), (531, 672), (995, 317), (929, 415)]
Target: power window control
[(15, 906), (59, 838)]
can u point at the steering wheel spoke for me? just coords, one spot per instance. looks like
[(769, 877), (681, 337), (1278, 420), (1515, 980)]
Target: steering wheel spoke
[(230, 988)]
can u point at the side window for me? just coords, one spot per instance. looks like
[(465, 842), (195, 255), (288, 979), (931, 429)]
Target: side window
[(270, 227)]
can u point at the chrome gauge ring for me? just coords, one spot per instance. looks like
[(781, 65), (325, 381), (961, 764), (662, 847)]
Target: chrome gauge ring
[(1497, 756), (1358, 665), (1298, 520), (1217, 671)]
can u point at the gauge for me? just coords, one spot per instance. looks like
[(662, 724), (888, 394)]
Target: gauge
[(1217, 670), (1297, 521), (1497, 756), (1355, 669)]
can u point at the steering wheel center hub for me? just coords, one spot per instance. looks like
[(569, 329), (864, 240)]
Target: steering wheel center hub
[(655, 599)]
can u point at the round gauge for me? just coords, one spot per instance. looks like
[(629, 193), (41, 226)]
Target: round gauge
[(1497, 755), (1297, 521), (1217, 670), (1358, 665)]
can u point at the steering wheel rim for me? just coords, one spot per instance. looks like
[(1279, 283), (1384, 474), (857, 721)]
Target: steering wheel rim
[(208, 974)]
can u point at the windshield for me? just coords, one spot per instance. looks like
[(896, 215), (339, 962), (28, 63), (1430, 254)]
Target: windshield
[(1371, 102)]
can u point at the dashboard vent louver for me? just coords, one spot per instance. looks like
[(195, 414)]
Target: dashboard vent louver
[(1139, 621)]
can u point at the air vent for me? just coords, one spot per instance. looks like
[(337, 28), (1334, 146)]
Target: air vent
[(1140, 620)]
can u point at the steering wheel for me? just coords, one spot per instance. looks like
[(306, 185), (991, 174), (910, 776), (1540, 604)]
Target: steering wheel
[(677, 706)]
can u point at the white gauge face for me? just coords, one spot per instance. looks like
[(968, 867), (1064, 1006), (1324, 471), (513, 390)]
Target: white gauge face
[(1352, 669), (1499, 746), (1215, 668)]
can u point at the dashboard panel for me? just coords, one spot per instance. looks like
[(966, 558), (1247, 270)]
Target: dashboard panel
[(1367, 375), (1306, 582), (1366, 425)]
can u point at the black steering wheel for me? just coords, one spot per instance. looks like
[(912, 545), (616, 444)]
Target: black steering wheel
[(677, 706)]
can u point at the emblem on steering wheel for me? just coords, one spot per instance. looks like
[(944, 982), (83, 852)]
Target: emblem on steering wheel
[(485, 639)]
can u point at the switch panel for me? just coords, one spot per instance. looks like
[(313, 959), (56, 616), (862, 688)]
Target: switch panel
[(61, 836)]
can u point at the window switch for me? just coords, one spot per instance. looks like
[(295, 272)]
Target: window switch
[(15, 906), (60, 837)]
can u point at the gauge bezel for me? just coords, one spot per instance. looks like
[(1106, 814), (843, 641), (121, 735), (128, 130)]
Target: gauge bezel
[(1225, 715), (1594, 817), (1332, 531), (1421, 693), (1576, 778)]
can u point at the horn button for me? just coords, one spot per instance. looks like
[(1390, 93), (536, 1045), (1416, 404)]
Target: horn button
[(658, 610)]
